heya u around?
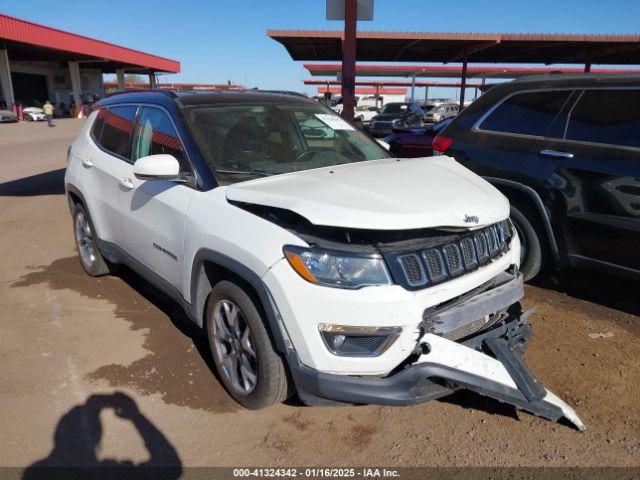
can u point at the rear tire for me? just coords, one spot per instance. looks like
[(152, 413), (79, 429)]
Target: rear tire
[(532, 256), (91, 259), (246, 361)]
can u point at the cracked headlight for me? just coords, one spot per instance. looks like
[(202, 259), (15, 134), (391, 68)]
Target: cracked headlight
[(337, 269)]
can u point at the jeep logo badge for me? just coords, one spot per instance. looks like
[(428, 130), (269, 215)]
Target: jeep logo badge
[(471, 219)]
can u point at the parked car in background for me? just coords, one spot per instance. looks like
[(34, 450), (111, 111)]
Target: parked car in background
[(7, 116), (34, 114), (414, 141), (307, 269), (565, 150), (365, 113), (437, 113), (396, 115)]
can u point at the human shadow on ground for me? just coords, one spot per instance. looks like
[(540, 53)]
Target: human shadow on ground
[(79, 433)]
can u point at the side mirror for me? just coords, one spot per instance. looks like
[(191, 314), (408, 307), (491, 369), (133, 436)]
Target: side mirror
[(383, 144), (157, 167)]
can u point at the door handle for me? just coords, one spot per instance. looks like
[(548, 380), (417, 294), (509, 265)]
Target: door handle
[(86, 162), (127, 183), (556, 154)]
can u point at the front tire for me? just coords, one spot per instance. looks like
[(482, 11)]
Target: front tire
[(531, 257), (245, 358), (91, 259)]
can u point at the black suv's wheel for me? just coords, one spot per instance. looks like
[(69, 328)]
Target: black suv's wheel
[(246, 361), (91, 259), (531, 256)]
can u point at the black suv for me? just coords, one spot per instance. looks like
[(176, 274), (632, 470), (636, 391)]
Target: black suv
[(565, 150), (396, 115)]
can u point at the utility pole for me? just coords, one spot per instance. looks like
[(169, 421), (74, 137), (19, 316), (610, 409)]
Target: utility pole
[(349, 59)]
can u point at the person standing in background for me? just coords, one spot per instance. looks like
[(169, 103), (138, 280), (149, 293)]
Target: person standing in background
[(48, 111)]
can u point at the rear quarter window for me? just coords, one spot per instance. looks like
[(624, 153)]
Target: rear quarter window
[(527, 113), (96, 128), (606, 116)]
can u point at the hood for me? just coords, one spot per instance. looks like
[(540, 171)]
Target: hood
[(387, 117), (387, 194)]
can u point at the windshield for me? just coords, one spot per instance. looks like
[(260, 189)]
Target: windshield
[(395, 108), (241, 142)]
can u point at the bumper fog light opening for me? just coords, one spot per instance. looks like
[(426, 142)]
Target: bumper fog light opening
[(350, 341)]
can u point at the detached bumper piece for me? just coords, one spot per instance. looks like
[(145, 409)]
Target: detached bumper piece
[(505, 378), (444, 367), (475, 341)]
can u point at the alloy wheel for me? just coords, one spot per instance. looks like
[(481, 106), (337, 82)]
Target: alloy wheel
[(234, 346), (84, 240)]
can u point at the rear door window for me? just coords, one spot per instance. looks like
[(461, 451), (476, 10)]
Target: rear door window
[(116, 132), (527, 113), (606, 116)]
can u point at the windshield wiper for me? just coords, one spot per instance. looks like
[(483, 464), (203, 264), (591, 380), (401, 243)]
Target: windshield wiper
[(263, 173)]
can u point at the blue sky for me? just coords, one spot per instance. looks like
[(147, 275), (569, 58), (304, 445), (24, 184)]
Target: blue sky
[(217, 40)]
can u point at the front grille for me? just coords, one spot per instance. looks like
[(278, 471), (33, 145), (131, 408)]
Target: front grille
[(452, 258)]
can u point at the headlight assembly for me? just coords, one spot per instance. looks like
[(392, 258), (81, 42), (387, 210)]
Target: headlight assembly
[(337, 269)]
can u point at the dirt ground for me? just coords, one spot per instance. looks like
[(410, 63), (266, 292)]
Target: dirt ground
[(69, 343)]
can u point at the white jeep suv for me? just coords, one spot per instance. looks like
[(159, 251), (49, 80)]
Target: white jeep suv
[(315, 263)]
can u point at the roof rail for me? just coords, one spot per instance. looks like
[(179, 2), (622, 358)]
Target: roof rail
[(142, 90)]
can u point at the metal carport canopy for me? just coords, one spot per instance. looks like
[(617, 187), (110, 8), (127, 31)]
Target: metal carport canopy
[(390, 83), (447, 71), (34, 42), (326, 45)]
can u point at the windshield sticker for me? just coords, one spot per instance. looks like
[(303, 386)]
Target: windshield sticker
[(333, 121)]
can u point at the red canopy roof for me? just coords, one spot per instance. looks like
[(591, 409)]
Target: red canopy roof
[(447, 71), (449, 47), (366, 90), (31, 41), (390, 83)]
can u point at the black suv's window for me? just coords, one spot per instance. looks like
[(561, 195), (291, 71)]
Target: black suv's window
[(155, 134), (116, 132), (606, 116), (527, 113)]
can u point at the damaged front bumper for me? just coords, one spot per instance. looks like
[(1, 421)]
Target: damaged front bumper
[(488, 361)]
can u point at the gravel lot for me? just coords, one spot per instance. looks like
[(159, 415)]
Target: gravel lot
[(69, 342)]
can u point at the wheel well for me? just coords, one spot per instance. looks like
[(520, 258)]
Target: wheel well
[(74, 200), (523, 202), (209, 274)]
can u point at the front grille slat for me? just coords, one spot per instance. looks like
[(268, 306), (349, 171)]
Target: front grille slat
[(435, 265), (413, 269), (454, 258)]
